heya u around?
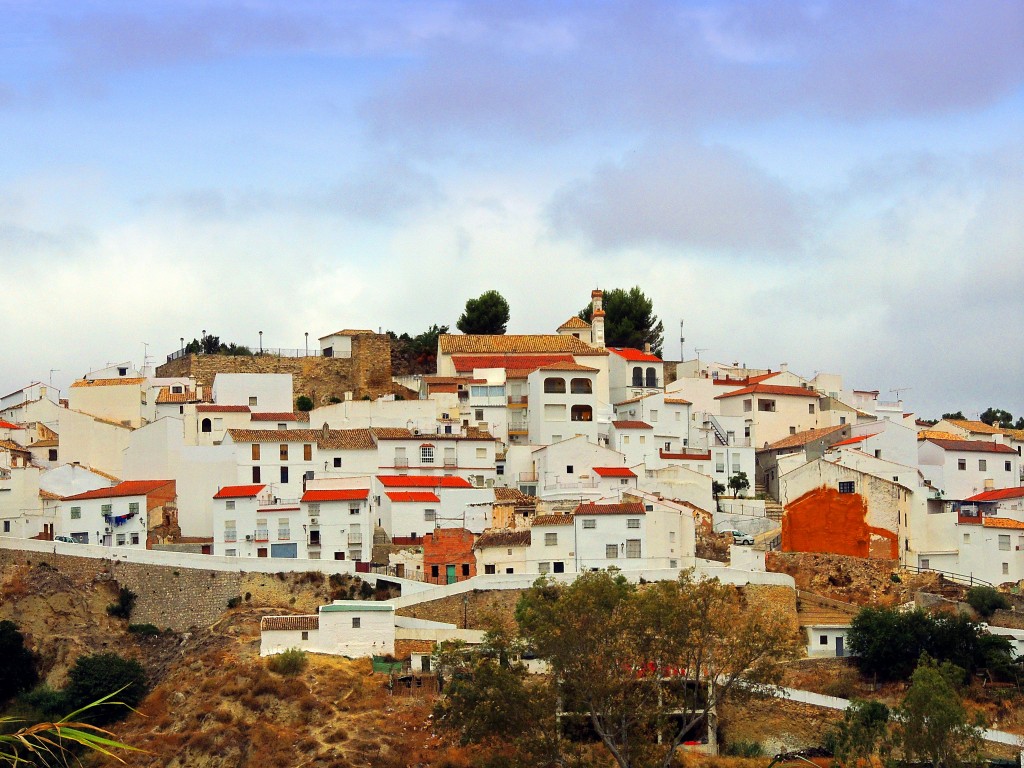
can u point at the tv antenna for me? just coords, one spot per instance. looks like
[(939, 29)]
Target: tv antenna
[(698, 351), (681, 340), (897, 391)]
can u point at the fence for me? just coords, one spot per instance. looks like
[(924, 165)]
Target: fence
[(256, 352), (969, 580)]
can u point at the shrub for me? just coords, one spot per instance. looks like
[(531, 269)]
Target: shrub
[(334, 400), (289, 662), (93, 677), (47, 701), (18, 668), (304, 403), (744, 749), (365, 591), (234, 602), (122, 609), (144, 629), (986, 600)]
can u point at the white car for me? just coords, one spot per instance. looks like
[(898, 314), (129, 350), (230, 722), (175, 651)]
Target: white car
[(739, 537), (65, 539)]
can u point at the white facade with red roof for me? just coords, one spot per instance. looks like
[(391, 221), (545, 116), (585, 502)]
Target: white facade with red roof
[(338, 522), (564, 402), (409, 506), (965, 468), (119, 516), (466, 453), (771, 411), (634, 439), (633, 373), (235, 510), (566, 469)]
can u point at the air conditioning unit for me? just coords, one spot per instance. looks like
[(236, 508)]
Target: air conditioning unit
[(415, 431), (107, 529), (314, 521), (248, 537)]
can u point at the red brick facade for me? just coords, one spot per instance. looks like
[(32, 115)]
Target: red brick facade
[(448, 555)]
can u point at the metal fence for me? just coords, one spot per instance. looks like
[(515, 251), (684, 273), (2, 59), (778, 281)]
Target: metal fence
[(256, 352)]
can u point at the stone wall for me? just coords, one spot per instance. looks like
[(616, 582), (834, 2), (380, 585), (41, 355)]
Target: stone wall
[(776, 599), (367, 372), (469, 610)]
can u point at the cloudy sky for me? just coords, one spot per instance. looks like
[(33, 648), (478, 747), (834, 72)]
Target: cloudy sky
[(836, 185)]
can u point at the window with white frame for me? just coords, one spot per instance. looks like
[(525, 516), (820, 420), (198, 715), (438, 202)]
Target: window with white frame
[(611, 551), (356, 622), (283, 528), (632, 522), (430, 515), (550, 539), (106, 508), (262, 530), (133, 507), (654, 415), (134, 538), (229, 504), (1004, 542), (982, 465), (590, 523), (543, 567), (313, 507), (353, 510), (230, 553), (76, 513), (426, 454), (481, 453), (230, 530), (632, 548), (122, 539)]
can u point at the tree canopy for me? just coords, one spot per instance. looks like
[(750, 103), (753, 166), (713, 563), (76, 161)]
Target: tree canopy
[(18, 670), (486, 314), (934, 726), (629, 320), (415, 354), (997, 417)]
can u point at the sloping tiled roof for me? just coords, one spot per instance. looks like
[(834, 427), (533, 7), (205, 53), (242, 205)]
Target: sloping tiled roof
[(771, 389), (423, 481), (853, 440), (935, 434), (999, 495), (677, 401), (501, 493), (239, 491), (506, 537), (468, 363), (334, 439), (350, 332), (553, 520), (449, 344), (49, 496), (272, 623), (631, 425), (185, 396), (396, 433), (126, 488), (615, 471), (635, 355), (800, 438), (574, 323), (338, 494), (214, 408), (684, 456), (10, 445), (973, 446), (627, 508), (280, 416), (1002, 522), (105, 382), (412, 496), (980, 427), (568, 366), (9, 425), (391, 433)]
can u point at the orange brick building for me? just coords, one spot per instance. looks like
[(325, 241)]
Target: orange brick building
[(448, 555)]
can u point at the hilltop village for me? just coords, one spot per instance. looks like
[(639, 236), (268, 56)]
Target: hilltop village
[(518, 456)]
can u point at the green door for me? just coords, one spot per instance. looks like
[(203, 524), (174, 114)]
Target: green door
[(451, 573)]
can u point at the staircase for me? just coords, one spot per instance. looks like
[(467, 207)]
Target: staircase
[(772, 509)]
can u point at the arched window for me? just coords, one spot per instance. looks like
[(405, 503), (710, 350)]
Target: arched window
[(207, 426), (582, 413), (638, 376), (554, 385), (652, 377), (581, 387)]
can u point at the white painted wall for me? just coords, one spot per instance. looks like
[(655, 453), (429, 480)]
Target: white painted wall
[(273, 391)]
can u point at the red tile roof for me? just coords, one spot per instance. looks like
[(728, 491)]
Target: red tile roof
[(635, 355), (9, 425), (506, 537), (339, 494), (771, 389), (106, 382), (567, 366), (412, 496), (467, 363), (423, 481), (972, 446), (999, 495), (1002, 522), (552, 520), (628, 508), (289, 623), (631, 425), (677, 401), (615, 471), (574, 322), (684, 456), (800, 439), (279, 416), (852, 440), (126, 488), (214, 408), (239, 491)]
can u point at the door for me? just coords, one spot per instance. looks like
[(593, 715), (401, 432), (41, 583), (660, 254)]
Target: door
[(451, 574), (261, 552), (284, 550), (839, 647)]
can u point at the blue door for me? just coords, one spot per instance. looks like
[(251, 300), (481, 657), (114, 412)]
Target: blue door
[(451, 574), (284, 550)]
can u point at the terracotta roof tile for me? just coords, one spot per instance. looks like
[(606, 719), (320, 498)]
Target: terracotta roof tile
[(49, 496), (506, 537), (333, 439), (501, 493), (214, 408), (684, 456), (239, 491), (935, 434), (165, 396), (1002, 522), (10, 445), (125, 488), (392, 433), (801, 439), (423, 481), (336, 494), (973, 446), (106, 382), (9, 425), (631, 425), (350, 332), (449, 344), (553, 520), (468, 363), (677, 401), (279, 416), (412, 496), (286, 623), (999, 495), (575, 323), (771, 389), (569, 366), (980, 427), (635, 355), (628, 508), (615, 471)]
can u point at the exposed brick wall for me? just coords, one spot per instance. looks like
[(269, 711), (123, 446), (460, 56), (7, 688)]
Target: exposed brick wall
[(367, 372), (449, 546), (476, 606)]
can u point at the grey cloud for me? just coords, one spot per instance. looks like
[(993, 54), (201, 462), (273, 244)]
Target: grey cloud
[(707, 198)]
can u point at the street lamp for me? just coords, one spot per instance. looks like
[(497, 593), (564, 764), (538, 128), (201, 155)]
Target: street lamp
[(307, 343), (261, 342)]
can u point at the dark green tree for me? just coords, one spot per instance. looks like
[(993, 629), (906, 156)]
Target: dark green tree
[(986, 600), (629, 320), (93, 677), (997, 417), (487, 314), (862, 734), (958, 415), (18, 668), (934, 726), (304, 403), (739, 483)]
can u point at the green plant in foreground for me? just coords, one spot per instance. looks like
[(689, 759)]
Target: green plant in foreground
[(289, 662), (50, 743)]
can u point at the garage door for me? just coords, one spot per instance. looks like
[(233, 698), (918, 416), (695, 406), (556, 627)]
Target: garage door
[(284, 550)]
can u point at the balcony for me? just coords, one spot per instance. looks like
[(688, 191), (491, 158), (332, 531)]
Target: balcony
[(401, 462), (527, 477), (571, 485), (262, 534), (230, 536), (450, 462), (517, 401), (518, 428)]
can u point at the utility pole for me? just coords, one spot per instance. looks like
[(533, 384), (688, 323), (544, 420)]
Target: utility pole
[(682, 339)]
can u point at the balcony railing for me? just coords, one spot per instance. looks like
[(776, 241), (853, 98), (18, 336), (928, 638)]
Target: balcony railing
[(401, 462), (262, 534), (517, 399), (450, 462), (518, 427), (527, 477), (570, 485), (284, 534), (230, 536)]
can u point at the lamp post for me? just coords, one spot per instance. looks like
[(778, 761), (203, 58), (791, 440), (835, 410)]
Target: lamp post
[(261, 342), (307, 343)]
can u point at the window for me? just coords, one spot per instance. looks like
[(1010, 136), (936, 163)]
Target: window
[(810, 407), (550, 539), (558, 567), (465, 569), (961, 464), (1007, 466), (766, 405), (281, 426), (581, 387), (479, 414), (284, 451), (878, 453), (489, 568), (611, 551), (823, 640), (253, 400), (792, 430), (500, 469), (671, 537), (52, 453), (133, 507), (426, 454), (430, 515), (337, 462), (569, 468), (121, 539), (76, 513), (625, 439), (654, 415), (7, 526), (135, 538), (1006, 568), (719, 462), (283, 529), (590, 523), (230, 530), (847, 487), (673, 563), (748, 405), (651, 378), (255, 451), (554, 412), (353, 510), (313, 508), (433, 571), (305, 634), (925, 563), (582, 413), (632, 522), (356, 622), (481, 453), (255, 474), (284, 474), (229, 504), (543, 567), (1004, 542), (842, 419), (230, 553), (967, 538), (307, 452), (982, 465), (643, 439), (632, 548), (554, 385), (106, 509), (638, 376)]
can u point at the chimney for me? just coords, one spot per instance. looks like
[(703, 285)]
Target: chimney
[(647, 348), (597, 319), (783, 367)]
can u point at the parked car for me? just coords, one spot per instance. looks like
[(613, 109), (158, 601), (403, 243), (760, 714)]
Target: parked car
[(739, 537), (65, 539)]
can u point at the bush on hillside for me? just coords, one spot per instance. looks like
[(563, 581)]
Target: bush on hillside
[(288, 663), (986, 600), (122, 609), (18, 665), (93, 677)]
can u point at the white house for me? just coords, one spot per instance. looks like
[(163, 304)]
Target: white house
[(633, 373), (258, 391), (772, 411), (121, 400), (563, 403), (353, 628), (339, 343), (338, 523), (964, 468), (566, 469), (503, 551), (119, 516), (409, 506)]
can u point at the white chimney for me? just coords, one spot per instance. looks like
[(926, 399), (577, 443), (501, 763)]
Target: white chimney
[(597, 318)]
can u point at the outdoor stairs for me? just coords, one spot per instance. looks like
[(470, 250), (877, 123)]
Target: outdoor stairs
[(772, 509)]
